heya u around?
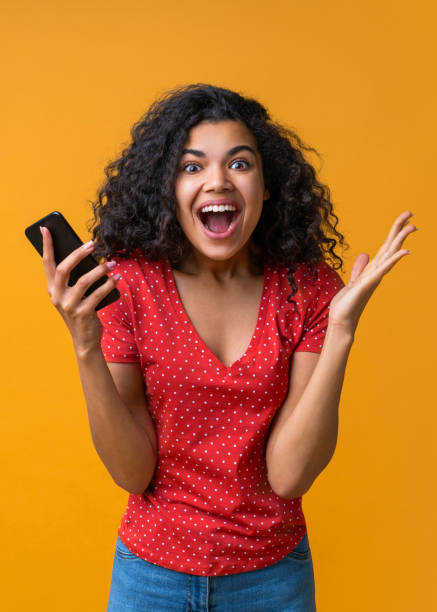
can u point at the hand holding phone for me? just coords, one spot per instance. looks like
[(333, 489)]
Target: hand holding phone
[(78, 311), (77, 284), (65, 241)]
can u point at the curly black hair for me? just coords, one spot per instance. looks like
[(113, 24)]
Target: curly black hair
[(135, 209)]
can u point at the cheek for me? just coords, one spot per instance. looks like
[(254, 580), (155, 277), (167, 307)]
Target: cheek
[(255, 195), (253, 190), (184, 193), (255, 210)]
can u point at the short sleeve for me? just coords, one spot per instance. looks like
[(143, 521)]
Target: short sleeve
[(118, 338), (316, 296)]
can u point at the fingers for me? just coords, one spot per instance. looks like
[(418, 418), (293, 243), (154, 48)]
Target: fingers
[(387, 256), (76, 293), (399, 239), (48, 257), (64, 297), (90, 302), (394, 231), (391, 261), (64, 268)]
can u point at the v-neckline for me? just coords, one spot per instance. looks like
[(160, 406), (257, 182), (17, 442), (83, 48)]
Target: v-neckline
[(180, 309)]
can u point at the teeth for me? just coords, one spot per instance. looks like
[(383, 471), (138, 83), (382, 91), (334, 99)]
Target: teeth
[(218, 208)]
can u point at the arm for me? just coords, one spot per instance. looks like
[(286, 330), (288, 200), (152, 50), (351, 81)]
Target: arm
[(122, 429), (121, 426), (303, 436)]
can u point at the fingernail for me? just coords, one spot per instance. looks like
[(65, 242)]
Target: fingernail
[(88, 244), (111, 264), (116, 277), (40, 229)]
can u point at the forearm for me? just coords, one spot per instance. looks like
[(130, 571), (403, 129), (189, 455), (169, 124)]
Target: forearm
[(307, 439), (121, 443)]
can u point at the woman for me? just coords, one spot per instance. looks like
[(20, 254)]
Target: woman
[(213, 384)]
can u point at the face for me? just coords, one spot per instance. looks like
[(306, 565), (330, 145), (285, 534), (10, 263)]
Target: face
[(219, 188)]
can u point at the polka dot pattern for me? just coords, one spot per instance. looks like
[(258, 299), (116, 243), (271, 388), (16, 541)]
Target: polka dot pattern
[(209, 509)]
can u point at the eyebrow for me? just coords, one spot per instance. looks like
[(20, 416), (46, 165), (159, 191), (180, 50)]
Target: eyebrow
[(232, 151)]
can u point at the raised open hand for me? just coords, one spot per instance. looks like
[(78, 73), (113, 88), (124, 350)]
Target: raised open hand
[(348, 304)]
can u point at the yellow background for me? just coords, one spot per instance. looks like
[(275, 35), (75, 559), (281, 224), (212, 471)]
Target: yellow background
[(356, 80)]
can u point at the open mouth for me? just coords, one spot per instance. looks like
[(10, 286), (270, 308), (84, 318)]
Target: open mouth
[(218, 222)]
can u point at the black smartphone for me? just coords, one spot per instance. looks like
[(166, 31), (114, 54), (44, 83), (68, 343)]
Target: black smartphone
[(65, 240)]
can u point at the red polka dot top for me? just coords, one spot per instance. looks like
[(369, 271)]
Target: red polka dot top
[(209, 509)]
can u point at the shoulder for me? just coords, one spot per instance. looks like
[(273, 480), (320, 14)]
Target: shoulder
[(326, 280), (324, 274), (138, 270), (308, 282), (314, 289), (140, 281)]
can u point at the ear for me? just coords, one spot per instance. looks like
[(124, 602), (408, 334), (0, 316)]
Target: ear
[(266, 194)]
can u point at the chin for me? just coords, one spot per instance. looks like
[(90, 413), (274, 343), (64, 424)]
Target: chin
[(219, 256)]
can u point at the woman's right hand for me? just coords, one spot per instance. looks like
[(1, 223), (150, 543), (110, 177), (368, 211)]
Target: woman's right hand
[(78, 312)]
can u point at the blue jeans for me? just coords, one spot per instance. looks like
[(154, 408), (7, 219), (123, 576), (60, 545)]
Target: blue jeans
[(285, 586)]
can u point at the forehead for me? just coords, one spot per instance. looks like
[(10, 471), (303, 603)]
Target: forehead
[(213, 136)]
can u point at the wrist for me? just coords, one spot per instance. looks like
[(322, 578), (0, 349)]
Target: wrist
[(342, 332), (84, 353)]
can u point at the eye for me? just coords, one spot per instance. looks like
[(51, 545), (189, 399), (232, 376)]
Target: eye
[(190, 165), (240, 161)]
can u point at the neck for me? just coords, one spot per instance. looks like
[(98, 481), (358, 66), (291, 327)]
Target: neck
[(197, 264)]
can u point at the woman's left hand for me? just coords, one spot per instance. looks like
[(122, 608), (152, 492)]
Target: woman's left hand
[(348, 304)]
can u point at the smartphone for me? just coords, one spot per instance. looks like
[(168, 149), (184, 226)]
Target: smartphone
[(65, 240)]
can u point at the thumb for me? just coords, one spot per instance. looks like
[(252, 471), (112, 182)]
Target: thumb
[(360, 263)]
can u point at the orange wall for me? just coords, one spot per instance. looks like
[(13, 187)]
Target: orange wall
[(355, 81)]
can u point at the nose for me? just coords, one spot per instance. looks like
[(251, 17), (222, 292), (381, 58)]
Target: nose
[(217, 179)]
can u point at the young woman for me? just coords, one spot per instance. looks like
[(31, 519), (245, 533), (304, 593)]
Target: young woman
[(213, 384)]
